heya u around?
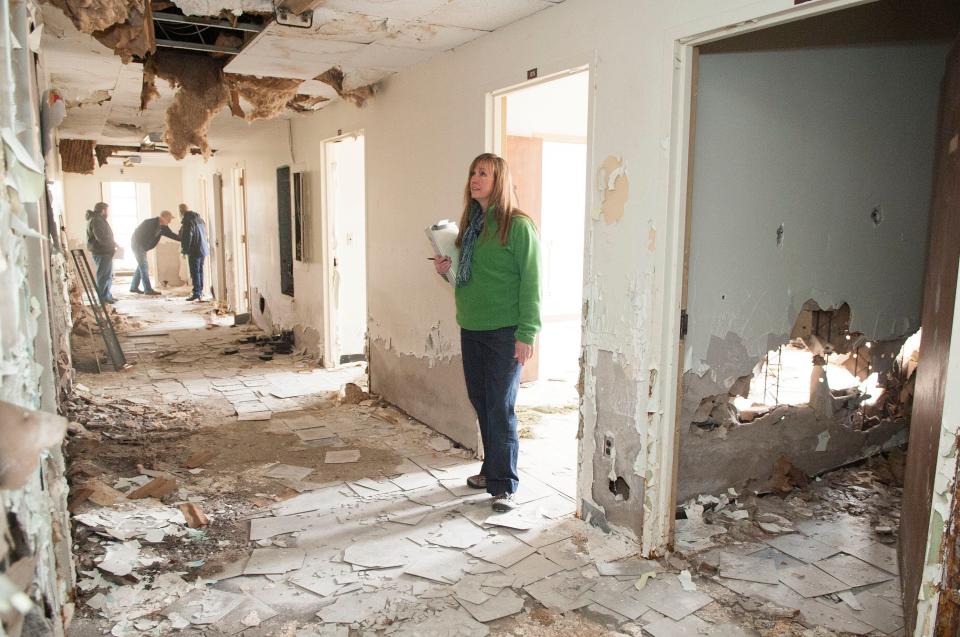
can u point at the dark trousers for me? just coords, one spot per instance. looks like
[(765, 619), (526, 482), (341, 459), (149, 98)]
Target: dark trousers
[(196, 274), (142, 273), (493, 377), (104, 275)]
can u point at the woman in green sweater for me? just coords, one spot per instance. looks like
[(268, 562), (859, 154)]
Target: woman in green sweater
[(498, 310)]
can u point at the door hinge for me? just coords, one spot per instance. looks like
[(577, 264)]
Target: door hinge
[(684, 323)]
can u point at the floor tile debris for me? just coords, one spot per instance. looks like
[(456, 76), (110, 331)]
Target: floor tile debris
[(328, 517)]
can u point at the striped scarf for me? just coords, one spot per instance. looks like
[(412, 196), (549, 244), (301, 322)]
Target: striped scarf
[(465, 266)]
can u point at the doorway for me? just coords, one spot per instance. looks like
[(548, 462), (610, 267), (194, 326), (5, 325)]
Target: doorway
[(129, 203), (811, 153), (345, 215), (541, 130), (238, 243)]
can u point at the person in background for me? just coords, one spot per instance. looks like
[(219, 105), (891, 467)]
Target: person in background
[(193, 243), (102, 247), (498, 310), (145, 238)]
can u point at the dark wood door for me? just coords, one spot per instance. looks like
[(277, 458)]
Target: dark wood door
[(939, 291)]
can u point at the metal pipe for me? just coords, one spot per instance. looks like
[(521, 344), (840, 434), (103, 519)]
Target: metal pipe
[(206, 22)]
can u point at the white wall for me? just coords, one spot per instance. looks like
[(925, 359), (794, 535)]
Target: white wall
[(811, 139), (260, 153), (82, 192)]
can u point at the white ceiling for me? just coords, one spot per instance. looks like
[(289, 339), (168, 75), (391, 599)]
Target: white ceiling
[(369, 39)]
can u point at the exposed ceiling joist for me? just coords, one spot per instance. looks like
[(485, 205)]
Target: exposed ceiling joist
[(209, 22), (196, 46)]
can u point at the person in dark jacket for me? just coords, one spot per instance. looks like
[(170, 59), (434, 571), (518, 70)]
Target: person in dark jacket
[(102, 247), (145, 238), (193, 243)]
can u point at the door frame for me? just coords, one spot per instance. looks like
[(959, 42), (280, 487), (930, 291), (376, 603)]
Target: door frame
[(241, 247), (220, 236), (331, 352), (680, 49)]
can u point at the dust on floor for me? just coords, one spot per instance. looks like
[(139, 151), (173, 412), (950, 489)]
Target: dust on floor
[(320, 517)]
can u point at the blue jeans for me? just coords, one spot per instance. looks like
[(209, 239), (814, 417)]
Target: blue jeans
[(493, 377), (142, 273), (196, 274), (104, 276)]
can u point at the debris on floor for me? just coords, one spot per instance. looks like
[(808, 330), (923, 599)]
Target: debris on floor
[(338, 517)]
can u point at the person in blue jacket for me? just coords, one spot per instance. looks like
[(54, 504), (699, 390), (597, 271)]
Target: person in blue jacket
[(145, 238), (193, 243)]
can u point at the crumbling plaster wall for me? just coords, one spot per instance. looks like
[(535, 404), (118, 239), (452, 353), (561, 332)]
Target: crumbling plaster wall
[(794, 151), (35, 562), (81, 192), (266, 148)]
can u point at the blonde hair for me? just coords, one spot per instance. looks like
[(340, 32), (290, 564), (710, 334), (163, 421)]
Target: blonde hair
[(501, 197), (166, 214)]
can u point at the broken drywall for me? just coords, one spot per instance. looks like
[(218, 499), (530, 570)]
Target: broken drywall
[(334, 77), (770, 224), (712, 461), (432, 393), (613, 185), (217, 8), (269, 96), (126, 26), (76, 155), (201, 93), (618, 488)]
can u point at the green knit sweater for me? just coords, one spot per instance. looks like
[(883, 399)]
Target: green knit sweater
[(504, 287)]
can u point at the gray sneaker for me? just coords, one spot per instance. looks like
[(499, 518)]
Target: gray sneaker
[(504, 503)]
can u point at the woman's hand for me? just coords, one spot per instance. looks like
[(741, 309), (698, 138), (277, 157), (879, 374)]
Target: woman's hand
[(442, 264), (522, 352)]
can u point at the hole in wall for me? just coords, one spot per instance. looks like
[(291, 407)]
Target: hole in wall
[(608, 446), (263, 304), (780, 236), (876, 216), (872, 380), (620, 489)]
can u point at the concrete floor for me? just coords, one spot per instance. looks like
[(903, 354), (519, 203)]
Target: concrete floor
[(330, 518)]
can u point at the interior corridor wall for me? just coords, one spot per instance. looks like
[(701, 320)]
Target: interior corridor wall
[(259, 154), (82, 192)]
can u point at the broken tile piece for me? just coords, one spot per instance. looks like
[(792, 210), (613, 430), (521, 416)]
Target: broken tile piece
[(667, 597), (503, 604), (274, 560), (810, 581), (205, 606), (250, 613), (503, 550), (852, 571), (749, 568), (801, 547), (287, 472), (341, 457)]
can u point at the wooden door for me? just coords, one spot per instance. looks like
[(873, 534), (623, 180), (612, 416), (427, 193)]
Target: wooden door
[(939, 292), (525, 156)]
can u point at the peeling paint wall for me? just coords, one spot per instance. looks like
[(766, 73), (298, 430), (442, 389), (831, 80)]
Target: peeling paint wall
[(812, 175), (810, 141), (34, 527)]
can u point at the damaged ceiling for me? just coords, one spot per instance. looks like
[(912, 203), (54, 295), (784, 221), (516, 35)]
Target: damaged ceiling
[(264, 71)]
